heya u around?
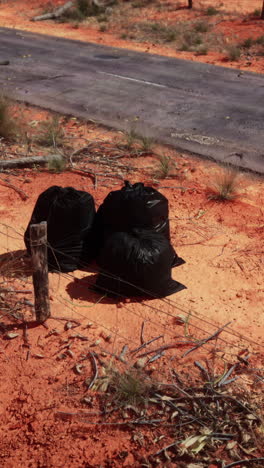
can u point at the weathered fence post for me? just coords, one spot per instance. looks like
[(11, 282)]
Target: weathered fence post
[(38, 244)]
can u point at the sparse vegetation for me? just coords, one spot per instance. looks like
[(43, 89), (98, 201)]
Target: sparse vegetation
[(201, 50), (192, 38), (225, 186), (56, 164), (87, 8), (51, 133), (130, 138), (233, 53), (81, 10), (103, 28), (72, 15), (256, 13), (247, 43), (211, 11), (162, 32), (164, 167), (186, 35), (146, 143), (130, 388), (184, 47), (201, 26), (141, 3), (8, 127), (260, 40)]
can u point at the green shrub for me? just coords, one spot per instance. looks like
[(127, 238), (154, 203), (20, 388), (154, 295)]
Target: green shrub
[(130, 138), (51, 133), (8, 127), (192, 38), (87, 8), (130, 388), (170, 35), (247, 43), (260, 40), (201, 26), (211, 11), (56, 164), (184, 47), (233, 53), (164, 168), (146, 143), (256, 13), (201, 50)]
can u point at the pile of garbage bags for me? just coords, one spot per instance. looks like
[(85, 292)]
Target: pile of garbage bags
[(129, 237)]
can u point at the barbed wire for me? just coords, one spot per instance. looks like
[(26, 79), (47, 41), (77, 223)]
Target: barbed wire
[(128, 339), (170, 302), (193, 312)]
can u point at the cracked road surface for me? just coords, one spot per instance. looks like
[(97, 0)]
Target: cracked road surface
[(212, 111)]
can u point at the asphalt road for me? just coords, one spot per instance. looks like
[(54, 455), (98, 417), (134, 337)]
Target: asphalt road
[(211, 111)]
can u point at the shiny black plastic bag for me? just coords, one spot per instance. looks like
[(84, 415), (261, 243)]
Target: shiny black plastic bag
[(136, 264), (134, 206), (70, 215)]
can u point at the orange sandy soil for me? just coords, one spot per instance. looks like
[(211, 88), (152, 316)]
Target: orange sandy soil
[(222, 244), (235, 22)]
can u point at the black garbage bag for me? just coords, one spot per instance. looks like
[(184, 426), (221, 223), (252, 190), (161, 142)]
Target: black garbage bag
[(41, 210), (70, 215), (134, 206), (136, 264)]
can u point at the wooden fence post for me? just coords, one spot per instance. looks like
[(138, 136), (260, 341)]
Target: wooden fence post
[(38, 244)]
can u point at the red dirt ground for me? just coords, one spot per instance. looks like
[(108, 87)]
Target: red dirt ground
[(223, 247), (222, 244)]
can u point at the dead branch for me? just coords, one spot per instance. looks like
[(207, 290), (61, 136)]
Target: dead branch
[(245, 462), (157, 356), (27, 162), (168, 346), (22, 194), (142, 341), (95, 368), (164, 449), (146, 343), (123, 352), (54, 14), (211, 337)]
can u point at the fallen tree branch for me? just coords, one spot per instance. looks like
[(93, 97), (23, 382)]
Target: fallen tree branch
[(27, 162), (54, 14), (168, 346), (95, 369), (22, 194), (245, 462), (146, 343), (202, 342), (142, 341)]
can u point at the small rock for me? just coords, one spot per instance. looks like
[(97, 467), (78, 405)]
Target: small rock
[(11, 335), (140, 363)]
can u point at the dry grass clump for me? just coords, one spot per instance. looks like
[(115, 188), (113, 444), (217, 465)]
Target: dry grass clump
[(56, 164), (233, 53), (165, 167), (51, 133), (8, 127), (130, 388), (225, 186)]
